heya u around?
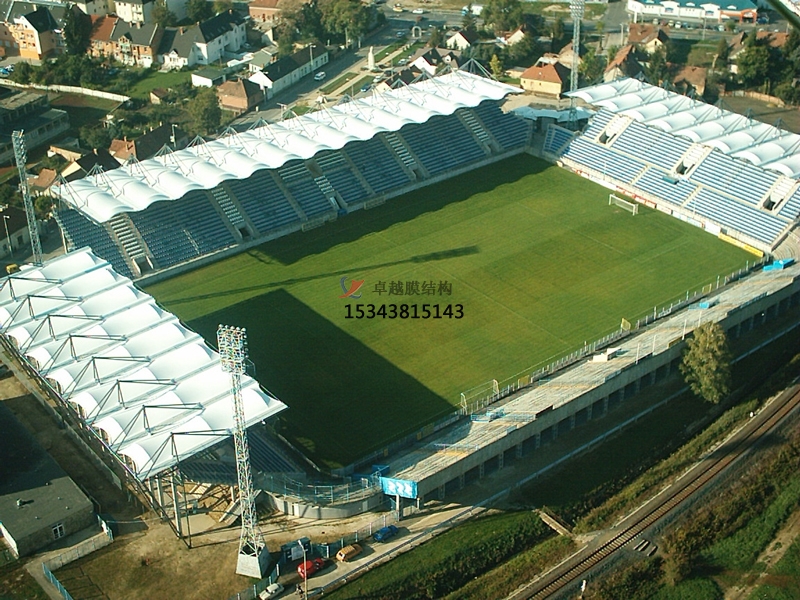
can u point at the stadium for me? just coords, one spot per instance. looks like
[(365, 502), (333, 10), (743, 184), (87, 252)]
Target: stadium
[(276, 228)]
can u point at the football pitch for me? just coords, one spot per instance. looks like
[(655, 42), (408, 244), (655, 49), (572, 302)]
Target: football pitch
[(535, 258)]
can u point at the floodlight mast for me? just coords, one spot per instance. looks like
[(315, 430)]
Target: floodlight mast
[(576, 8), (232, 346), (21, 157)]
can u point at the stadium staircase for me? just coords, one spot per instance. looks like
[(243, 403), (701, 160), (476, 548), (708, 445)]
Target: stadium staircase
[(780, 191), (229, 209), (472, 124), (691, 158), (285, 190), (132, 244), (614, 129), (401, 150)]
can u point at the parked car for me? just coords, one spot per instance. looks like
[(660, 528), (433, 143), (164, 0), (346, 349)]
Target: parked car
[(308, 568), (366, 87), (320, 76), (348, 552), (385, 533), (418, 11), (399, 34), (273, 591)]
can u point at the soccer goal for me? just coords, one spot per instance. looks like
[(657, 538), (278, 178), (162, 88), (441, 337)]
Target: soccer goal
[(631, 207)]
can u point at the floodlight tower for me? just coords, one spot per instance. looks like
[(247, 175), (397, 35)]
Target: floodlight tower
[(576, 12), (21, 156), (253, 555)]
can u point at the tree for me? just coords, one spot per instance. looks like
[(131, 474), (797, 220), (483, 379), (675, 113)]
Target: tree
[(23, 72), (163, 16), (77, 30), (525, 51), (657, 69), (469, 22), (199, 10), (436, 39), (593, 65), (706, 365), (221, 6), (557, 33), (348, 19), (723, 51), (754, 64), (503, 15), (95, 137), (205, 112), (496, 65)]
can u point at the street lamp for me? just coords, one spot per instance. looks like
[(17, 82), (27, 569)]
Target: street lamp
[(305, 568), (8, 237)]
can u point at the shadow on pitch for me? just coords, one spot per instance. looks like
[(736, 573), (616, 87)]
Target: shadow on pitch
[(419, 258), (404, 208), (345, 400)]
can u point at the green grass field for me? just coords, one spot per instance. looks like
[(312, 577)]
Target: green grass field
[(534, 254)]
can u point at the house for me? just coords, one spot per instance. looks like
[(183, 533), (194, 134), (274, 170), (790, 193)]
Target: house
[(39, 503), (149, 144), (461, 40), (208, 77), (202, 44), (239, 95), (39, 185), (624, 64), (14, 231), (691, 81), (435, 59), (30, 112), (264, 11), (99, 158), (398, 79), (128, 43), (288, 70), (646, 37), (566, 55), (134, 11), (36, 33), (93, 8), (548, 80), (158, 95), (261, 59), (514, 37)]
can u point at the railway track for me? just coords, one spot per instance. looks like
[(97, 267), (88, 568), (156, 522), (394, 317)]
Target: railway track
[(662, 504)]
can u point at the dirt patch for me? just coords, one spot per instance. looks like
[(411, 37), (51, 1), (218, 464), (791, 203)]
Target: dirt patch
[(777, 548)]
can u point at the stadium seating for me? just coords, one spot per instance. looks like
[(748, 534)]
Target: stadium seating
[(508, 129), (556, 138), (81, 232), (651, 145), (341, 177), (791, 208), (264, 202), (653, 182), (304, 189), (737, 177), (603, 160), (729, 213), (442, 144), (377, 165)]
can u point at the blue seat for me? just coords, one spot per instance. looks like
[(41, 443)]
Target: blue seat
[(81, 232)]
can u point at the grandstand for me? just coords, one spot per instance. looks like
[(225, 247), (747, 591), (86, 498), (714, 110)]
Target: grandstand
[(727, 173), (247, 187)]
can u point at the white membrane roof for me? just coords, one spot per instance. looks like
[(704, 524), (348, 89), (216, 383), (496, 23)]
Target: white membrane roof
[(761, 144), (150, 387), (170, 176)]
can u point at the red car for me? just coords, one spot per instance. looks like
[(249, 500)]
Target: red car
[(308, 568)]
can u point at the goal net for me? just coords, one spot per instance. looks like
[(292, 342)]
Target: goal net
[(631, 207)]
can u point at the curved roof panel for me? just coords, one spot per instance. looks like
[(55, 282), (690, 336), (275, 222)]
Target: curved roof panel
[(170, 176), (150, 384)]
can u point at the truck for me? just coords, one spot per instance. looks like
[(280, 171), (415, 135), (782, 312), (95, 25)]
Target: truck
[(476, 9)]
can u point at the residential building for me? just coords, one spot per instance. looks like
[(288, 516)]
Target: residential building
[(149, 144), (158, 95), (205, 43), (435, 59), (36, 34), (93, 7), (239, 95), (134, 11), (264, 11), (547, 80), (647, 37), (128, 43), (30, 112), (39, 185), (290, 69), (208, 77), (737, 44), (99, 158), (14, 232), (261, 60), (624, 64), (461, 40), (691, 81)]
